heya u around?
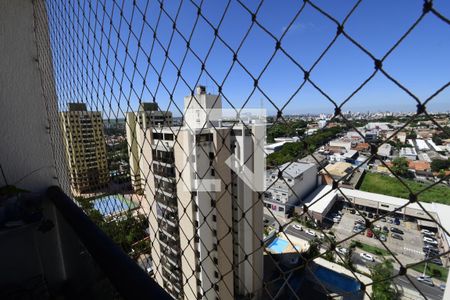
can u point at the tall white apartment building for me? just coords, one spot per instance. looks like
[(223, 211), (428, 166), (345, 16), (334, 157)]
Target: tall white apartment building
[(147, 116), (205, 221)]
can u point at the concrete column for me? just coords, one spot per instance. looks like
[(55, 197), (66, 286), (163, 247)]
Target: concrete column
[(28, 107)]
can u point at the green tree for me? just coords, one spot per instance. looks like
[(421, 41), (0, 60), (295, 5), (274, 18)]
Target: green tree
[(314, 247), (348, 259), (382, 283), (440, 164), (292, 151), (400, 166), (411, 135)]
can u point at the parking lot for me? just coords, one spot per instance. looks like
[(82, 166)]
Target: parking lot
[(409, 249)]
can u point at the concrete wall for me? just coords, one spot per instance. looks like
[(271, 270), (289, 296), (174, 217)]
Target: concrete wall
[(28, 107)]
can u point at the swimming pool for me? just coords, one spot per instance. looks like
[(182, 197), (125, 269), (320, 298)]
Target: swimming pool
[(336, 280), (278, 245), (112, 204)]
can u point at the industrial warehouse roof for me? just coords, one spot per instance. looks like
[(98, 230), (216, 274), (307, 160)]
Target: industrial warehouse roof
[(295, 169), (320, 199)]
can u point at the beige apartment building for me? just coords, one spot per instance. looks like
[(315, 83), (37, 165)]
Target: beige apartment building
[(206, 223), (85, 146), (147, 116)]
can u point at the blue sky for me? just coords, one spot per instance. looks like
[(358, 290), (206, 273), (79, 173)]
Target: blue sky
[(421, 62)]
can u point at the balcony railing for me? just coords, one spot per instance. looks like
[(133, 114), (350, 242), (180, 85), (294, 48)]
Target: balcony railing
[(131, 281)]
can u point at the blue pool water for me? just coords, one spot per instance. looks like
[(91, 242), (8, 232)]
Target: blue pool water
[(278, 245), (112, 204), (339, 281)]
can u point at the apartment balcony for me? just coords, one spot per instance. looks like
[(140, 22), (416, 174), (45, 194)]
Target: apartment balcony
[(56, 251), (173, 289), (169, 223), (170, 245), (163, 171), (170, 231), (167, 201), (165, 160), (170, 271)]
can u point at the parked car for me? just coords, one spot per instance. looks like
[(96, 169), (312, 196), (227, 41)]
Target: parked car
[(396, 230), (364, 214), (430, 241), (383, 219), (383, 238), (370, 215), (357, 229), (390, 221), (342, 250), (377, 227), (360, 221), (297, 227), (436, 261), (396, 236), (367, 257), (442, 287), (336, 220), (310, 232), (427, 232), (397, 221), (430, 253), (360, 226), (352, 211), (385, 229), (430, 247), (429, 235), (369, 233), (425, 279)]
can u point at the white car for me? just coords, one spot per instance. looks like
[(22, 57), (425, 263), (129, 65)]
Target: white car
[(430, 241), (297, 227), (310, 232), (336, 220), (342, 250), (425, 279), (367, 257), (427, 232)]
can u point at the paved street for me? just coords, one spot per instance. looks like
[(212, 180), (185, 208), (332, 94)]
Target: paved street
[(430, 292)]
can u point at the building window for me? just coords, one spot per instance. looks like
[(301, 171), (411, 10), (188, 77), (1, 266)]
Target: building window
[(213, 203), (236, 132), (214, 232), (214, 218), (215, 260), (213, 172), (216, 274), (280, 208)]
